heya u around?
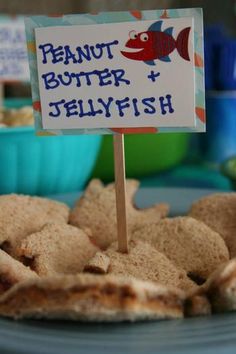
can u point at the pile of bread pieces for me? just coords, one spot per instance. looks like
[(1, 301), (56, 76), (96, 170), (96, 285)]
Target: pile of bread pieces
[(58, 263), (16, 117)]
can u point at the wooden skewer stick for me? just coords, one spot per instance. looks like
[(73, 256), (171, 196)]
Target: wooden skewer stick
[(119, 159)]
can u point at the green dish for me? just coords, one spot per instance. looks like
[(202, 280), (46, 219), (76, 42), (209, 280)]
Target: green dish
[(145, 154), (228, 169)]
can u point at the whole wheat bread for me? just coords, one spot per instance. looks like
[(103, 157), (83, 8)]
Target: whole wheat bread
[(218, 211), (188, 243), (96, 210), (144, 262), (12, 272), (87, 297), (21, 215), (58, 248), (221, 288)]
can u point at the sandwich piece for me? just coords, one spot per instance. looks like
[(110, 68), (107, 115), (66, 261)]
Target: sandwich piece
[(87, 297), (99, 264), (219, 291), (19, 117), (221, 288), (96, 210), (188, 243), (144, 262), (57, 248), (218, 211), (21, 215), (197, 304), (12, 272)]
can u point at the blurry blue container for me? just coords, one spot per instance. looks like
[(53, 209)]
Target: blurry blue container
[(214, 37), (45, 165), (227, 65), (219, 142)]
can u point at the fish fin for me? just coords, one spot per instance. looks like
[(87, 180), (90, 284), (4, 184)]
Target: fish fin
[(166, 58), (169, 31), (182, 43), (156, 26), (150, 62)]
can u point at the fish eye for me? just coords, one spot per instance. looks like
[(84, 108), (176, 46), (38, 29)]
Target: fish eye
[(133, 35), (144, 37)]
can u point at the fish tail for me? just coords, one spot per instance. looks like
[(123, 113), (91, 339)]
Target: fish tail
[(182, 43)]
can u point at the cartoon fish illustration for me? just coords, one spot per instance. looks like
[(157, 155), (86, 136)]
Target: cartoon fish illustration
[(155, 44)]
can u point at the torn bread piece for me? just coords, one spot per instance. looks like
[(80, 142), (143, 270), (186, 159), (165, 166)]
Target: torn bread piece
[(12, 272), (87, 297), (221, 288), (98, 264), (21, 215), (144, 262), (188, 243), (97, 210), (57, 248), (218, 211), (197, 304)]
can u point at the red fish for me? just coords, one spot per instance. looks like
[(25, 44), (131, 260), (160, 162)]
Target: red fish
[(155, 44)]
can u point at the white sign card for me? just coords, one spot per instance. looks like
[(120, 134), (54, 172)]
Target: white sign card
[(14, 64), (102, 76), (86, 81)]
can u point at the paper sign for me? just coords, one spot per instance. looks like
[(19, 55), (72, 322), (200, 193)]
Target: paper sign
[(125, 73), (14, 64)]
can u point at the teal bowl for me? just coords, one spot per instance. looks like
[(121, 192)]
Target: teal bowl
[(45, 165)]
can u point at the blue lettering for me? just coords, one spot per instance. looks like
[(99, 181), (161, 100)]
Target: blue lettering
[(50, 82), (92, 109), (70, 108), (166, 104), (108, 47), (66, 55), (46, 49), (106, 105), (87, 77), (122, 104), (69, 55), (83, 54), (152, 76), (56, 53), (147, 102), (77, 76), (136, 111), (81, 108), (61, 78), (56, 105), (102, 76), (118, 76), (99, 53)]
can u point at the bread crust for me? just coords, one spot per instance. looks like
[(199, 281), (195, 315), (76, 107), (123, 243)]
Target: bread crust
[(87, 297), (221, 288), (12, 272), (197, 305)]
